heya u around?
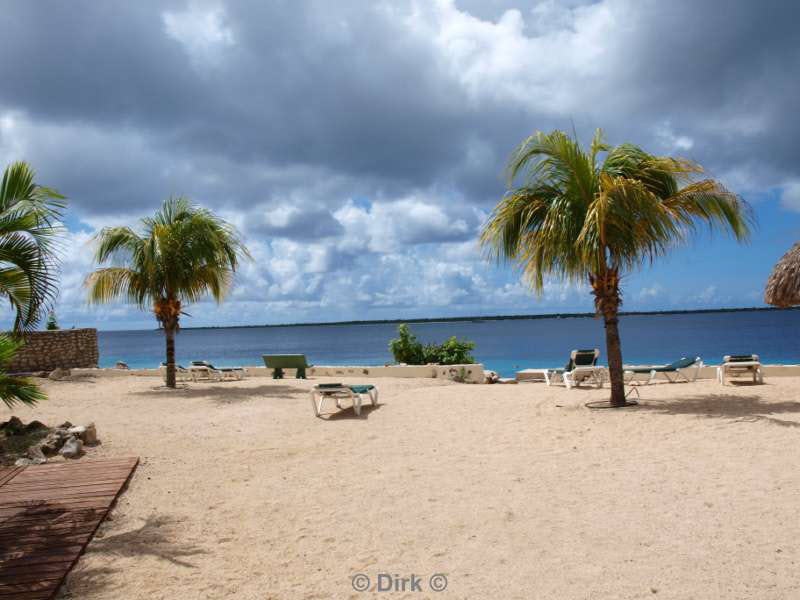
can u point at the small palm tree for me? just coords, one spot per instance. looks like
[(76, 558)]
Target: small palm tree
[(183, 253), (29, 232), (15, 390), (583, 219)]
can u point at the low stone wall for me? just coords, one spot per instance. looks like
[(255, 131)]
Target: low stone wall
[(62, 348), (470, 373)]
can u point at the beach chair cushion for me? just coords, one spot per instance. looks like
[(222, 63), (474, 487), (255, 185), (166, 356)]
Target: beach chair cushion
[(361, 389)]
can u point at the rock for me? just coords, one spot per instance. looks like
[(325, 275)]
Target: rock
[(90, 435), (34, 426), (121, 365), (65, 425), (58, 374), (52, 443), (86, 433), (72, 448), (13, 426), (23, 462), (36, 452)]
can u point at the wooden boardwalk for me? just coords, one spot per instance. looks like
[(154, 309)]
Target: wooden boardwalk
[(48, 514)]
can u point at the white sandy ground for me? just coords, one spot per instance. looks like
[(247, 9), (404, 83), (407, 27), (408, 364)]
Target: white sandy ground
[(512, 491)]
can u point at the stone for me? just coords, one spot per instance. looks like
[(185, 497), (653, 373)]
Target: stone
[(72, 448), (36, 452), (86, 433), (121, 365), (65, 425), (90, 435), (23, 462), (13, 426), (34, 426), (58, 374), (52, 443)]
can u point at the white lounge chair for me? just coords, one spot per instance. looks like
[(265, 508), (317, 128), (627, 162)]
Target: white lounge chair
[(735, 365), (221, 372), (181, 373), (674, 367), (582, 365)]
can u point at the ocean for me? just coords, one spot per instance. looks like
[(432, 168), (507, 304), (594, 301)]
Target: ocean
[(504, 346)]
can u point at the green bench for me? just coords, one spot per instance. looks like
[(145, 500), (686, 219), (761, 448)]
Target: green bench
[(279, 362)]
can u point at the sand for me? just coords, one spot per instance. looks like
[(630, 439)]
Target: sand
[(510, 491)]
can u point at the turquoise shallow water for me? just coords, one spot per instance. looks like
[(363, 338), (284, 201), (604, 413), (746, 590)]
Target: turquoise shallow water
[(505, 346)]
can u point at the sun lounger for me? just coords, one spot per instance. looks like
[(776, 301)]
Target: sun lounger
[(279, 362), (735, 365), (673, 368), (337, 391), (181, 372), (223, 372), (204, 372), (582, 365)]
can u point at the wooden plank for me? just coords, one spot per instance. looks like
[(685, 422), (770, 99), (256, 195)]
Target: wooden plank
[(48, 514), (8, 473)]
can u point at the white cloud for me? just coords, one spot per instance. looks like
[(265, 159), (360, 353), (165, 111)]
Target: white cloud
[(790, 196), (202, 30), (653, 292)]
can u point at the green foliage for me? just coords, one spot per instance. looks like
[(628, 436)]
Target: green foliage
[(15, 390), (182, 253), (407, 349), (576, 215), (29, 235), (52, 325), (451, 352)]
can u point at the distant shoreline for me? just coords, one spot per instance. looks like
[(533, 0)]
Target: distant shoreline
[(582, 315)]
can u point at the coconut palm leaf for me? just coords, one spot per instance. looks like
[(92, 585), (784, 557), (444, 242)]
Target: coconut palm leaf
[(15, 390), (30, 233)]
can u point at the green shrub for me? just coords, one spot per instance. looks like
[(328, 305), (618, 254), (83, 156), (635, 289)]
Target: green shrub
[(52, 325), (407, 349)]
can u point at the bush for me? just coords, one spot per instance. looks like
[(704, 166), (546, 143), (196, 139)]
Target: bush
[(406, 349)]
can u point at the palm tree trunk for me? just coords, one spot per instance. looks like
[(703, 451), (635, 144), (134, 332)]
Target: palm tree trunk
[(605, 287), (614, 350), (169, 332)]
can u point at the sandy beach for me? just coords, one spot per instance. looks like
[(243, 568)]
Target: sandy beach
[(517, 491)]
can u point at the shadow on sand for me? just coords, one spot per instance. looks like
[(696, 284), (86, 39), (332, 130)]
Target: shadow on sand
[(724, 406), (229, 394), (347, 413), (156, 538)]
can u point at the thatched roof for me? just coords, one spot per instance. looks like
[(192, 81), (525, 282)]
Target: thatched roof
[(783, 285)]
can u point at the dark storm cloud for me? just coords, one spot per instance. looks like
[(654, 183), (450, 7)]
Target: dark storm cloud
[(122, 112)]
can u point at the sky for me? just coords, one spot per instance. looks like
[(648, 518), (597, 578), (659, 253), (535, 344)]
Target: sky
[(359, 146)]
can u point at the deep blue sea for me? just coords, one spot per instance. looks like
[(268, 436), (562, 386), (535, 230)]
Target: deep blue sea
[(504, 346)]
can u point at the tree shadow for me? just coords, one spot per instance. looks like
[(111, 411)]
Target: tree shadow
[(748, 409), (224, 394), (349, 412), (155, 537)]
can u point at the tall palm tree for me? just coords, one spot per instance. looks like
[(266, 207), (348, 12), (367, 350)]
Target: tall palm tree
[(181, 254), (585, 219), (14, 389), (29, 234)]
